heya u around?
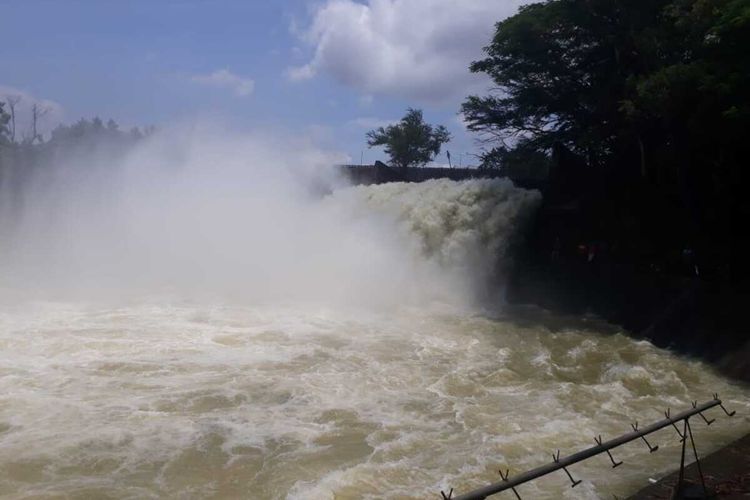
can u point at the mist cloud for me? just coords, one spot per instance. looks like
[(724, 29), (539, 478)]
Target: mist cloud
[(202, 211)]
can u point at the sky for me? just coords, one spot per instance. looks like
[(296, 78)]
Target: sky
[(327, 69)]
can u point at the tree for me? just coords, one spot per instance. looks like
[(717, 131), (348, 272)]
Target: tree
[(517, 163), (651, 98), (37, 113), (4, 119), (561, 70), (12, 101), (616, 80), (411, 142)]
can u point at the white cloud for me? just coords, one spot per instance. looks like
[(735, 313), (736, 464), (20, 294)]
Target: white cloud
[(418, 49), (225, 79), (297, 73), (370, 122), (51, 112)]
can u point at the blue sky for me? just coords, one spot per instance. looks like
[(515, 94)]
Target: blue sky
[(331, 69)]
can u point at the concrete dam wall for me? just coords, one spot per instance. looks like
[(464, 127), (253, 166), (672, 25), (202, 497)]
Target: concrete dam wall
[(380, 173)]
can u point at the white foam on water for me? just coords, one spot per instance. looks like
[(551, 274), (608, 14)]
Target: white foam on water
[(182, 401)]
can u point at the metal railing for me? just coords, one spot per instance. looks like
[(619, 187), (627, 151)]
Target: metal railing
[(510, 483)]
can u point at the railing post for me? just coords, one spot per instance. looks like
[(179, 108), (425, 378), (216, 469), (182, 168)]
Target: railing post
[(680, 486)]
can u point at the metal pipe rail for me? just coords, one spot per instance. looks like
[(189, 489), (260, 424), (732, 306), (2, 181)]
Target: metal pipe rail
[(602, 447)]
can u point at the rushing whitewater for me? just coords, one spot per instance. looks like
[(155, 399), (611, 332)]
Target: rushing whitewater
[(195, 322), (181, 400)]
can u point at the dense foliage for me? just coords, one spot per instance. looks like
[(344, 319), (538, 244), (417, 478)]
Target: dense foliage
[(592, 74), (652, 98), (411, 142)]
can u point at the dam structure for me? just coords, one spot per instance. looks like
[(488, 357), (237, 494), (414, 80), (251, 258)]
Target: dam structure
[(380, 173)]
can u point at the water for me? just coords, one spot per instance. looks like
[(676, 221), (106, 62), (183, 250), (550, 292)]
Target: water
[(173, 331), (181, 400)]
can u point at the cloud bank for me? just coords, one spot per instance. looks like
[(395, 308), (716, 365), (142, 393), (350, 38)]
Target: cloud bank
[(415, 49)]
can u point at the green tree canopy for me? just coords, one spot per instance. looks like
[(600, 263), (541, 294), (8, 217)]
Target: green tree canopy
[(561, 69), (617, 79), (411, 142), (652, 96)]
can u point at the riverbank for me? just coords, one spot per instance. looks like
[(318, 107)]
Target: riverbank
[(689, 315), (726, 472)]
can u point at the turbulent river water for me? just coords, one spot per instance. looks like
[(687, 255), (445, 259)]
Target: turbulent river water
[(343, 367), (195, 401)]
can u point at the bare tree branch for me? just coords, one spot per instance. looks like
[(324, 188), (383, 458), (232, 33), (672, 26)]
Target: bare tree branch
[(12, 101), (37, 113)]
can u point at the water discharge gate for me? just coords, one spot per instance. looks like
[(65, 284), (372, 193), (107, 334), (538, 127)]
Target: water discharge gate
[(563, 463)]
